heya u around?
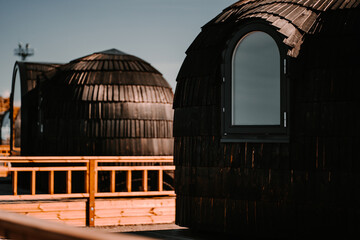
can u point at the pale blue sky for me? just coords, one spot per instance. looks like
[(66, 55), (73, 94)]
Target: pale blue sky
[(158, 31)]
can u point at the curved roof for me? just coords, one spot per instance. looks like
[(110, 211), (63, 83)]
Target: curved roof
[(291, 18), (30, 72), (112, 51), (112, 76), (110, 60), (95, 69)]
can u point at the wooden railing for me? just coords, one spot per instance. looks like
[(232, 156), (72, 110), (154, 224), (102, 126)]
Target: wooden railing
[(91, 168), (16, 226), (4, 150)]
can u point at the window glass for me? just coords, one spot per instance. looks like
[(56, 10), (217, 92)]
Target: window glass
[(256, 81), (5, 129)]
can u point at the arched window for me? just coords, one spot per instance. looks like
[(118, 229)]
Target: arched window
[(254, 89)]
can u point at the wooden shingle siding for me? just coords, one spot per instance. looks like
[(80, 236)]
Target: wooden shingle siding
[(110, 93), (108, 110), (115, 78), (126, 128), (301, 16), (274, 189)]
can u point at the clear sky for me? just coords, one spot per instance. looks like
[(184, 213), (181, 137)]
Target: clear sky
[(158, 31)]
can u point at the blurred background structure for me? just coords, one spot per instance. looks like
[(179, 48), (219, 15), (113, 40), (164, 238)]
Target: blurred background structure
[(23, 52)]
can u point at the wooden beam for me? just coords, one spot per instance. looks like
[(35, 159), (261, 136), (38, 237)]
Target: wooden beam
[(15, 182), (96, 179), (134, 168), (51, 182), (92, 190), (160, 180), (128, 180), (84, 159), (68, 181), (112, 181), (44, 196), (47, 169), (145, 180), (33, 182), (136, 194)]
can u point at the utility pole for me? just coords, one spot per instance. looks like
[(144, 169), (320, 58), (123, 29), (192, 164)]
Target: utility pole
[(23, 52)]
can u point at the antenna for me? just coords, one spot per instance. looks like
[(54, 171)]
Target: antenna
[(24, 52)]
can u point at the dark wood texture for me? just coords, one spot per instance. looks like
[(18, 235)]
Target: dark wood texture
[(29, 74), (106, 103), (303, 187)]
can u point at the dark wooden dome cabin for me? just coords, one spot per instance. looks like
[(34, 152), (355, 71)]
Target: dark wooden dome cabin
[(106, 103), (266, 123)]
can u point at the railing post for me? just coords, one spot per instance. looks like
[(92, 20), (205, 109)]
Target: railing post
[(128, 180), (33, 182), (92, 189), (51, 182), (112, 181), (15, 182), (68, 181), (160, 180), (145, 180)]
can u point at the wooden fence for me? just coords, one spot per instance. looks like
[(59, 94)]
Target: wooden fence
[(38, 172)]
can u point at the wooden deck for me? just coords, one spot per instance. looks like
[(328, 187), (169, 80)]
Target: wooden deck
[(141, 203)]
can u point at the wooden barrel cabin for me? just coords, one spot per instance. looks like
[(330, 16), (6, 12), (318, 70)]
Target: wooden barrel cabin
[(266, 127), (107, 103)]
